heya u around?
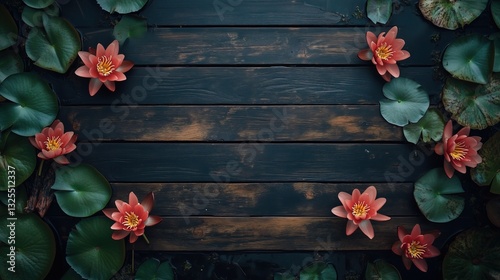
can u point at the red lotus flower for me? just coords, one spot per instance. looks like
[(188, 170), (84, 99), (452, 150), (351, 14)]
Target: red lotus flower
[(359, 209), (104, 67), (415, 247), (54, 143), (131, 218), (385, 51), (459, 150)]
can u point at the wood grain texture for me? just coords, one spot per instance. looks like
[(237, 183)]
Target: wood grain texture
[(297, 199), (334, 46), (232, 123), (274, 233), (256, 162), (241, 86)]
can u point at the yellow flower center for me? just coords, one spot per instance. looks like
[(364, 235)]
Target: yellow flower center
[(360, 209), (460, 151), (384, 51), (416, 250), (53, 143), (131, 220), (105, 65)]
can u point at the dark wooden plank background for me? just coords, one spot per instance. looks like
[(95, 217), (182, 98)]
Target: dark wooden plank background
[(247, 123)]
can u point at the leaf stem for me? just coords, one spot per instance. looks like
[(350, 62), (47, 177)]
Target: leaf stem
[(40, 167), (145, 238)]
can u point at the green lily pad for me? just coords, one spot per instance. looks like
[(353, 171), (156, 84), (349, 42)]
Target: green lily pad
[(473, 255), (451, 14), (470, 58), (33, 107), (436, 197), (35, 247), (91, 251), (381, 270), (476, 106), (54, 47), (34, 17), (38, 4), (8, 29), (318, 271), (10, 63), (21, 198), (122, 6), (430, 126), (407, 102), (379, 11), (488, 171), (495, 11), (17, 158), (81, 191), (130, 26), (153, 270)]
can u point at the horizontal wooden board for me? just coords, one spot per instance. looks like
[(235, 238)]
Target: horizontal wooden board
[(250, 12), (231, 123), (253, 161), (261, 199), (241, 86), (261, 46), (275, 233)]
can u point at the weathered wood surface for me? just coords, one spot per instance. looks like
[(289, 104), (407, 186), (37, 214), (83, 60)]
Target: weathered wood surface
[(262, 199), (232, 123), (275, 234), (255, 162), (248, 125), (242, 86)]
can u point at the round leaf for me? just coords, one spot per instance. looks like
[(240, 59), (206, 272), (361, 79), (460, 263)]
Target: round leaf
[(55, 46), (91, 251), (38, 4), (35, 247), (476, 106), (32, 17), (495, 11), (430, 126), (381, 270), (10, 63), (81, 191), (8, 29), (473, 255), (122, 6), (488, 171), (129, 26), (153, 270), (407, 102), (470, 58), (434, 193), (451, 14), (379, 11), (318, 271), (34, 104), (18, 156)]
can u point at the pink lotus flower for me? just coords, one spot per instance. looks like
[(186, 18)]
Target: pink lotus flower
[(131, 218), (103, 67), (359, 209), (385, 51), (459, 150), (54, 143), (415, 247)]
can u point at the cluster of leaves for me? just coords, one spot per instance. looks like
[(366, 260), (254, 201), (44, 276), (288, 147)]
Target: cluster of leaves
[(29, 104), (471, 95)]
